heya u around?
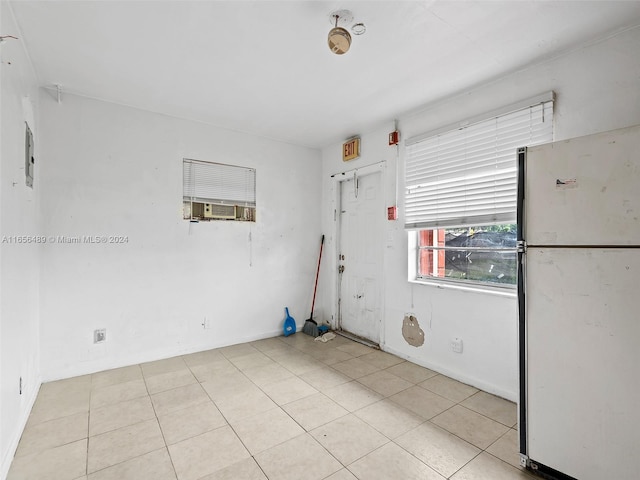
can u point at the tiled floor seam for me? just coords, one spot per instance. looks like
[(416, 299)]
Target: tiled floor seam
[(432, 467), (457, 436), (437, 394), (277, 406), (128, 460), (467, 463), (336, 459), (296, 349), (482, 450), (369, 453), (260, 467), (166, 446), (440, 394), (482, 414), (232, 429), (303, 428), (385, 396)]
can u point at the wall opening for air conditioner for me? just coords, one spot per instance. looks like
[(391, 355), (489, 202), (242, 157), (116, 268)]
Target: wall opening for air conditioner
[(216, 191)]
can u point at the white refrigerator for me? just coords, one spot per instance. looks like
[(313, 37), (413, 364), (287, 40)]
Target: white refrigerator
[(579, 307)]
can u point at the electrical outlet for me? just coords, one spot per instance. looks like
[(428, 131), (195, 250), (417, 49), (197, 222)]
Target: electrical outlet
[(206, 324), (456, 345), (100, 335)]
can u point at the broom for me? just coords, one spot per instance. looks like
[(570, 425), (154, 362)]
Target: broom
[(310, 325)]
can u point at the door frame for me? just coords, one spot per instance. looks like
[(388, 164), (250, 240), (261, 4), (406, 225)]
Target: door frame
[(336, 179)]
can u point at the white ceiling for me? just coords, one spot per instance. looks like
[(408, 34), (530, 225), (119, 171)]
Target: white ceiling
[(263, 67)]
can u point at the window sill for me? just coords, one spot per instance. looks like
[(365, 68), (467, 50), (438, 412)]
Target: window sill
[(510, 292)]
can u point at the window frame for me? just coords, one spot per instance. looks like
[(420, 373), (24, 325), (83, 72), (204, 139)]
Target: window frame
[(460, 221), (421, 278)]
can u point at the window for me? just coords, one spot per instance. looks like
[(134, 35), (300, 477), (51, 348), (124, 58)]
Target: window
[(461, 194), (215, 191), (480, 254)]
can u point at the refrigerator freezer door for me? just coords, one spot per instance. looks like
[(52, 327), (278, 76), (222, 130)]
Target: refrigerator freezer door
[(583, 360), (584, 191)]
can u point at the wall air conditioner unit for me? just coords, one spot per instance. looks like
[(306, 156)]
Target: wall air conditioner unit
[(216, 210)]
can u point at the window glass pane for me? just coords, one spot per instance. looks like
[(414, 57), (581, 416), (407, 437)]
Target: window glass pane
[(485, 254)]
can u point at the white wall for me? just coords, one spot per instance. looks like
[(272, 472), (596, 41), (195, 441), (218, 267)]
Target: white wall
[(114, 170), (19, 335), (597, 89)]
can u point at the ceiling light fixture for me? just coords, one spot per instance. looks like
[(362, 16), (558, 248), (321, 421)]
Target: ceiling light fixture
[(339, 38)]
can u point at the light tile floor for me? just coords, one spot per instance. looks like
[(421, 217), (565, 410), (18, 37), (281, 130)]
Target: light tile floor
[(278, 409)]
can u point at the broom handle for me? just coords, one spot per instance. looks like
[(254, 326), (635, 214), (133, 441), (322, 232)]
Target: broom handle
[(315, 288)]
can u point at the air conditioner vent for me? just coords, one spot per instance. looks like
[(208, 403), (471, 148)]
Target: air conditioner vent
[(216, 210)]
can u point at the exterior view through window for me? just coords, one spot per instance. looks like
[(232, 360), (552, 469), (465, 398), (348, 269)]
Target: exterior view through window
[(481, 254)]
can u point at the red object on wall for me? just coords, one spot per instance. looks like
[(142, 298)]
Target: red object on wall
[(392, 213), (394, 138)]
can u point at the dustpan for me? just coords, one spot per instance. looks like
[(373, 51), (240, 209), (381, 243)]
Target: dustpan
[(289, 323)]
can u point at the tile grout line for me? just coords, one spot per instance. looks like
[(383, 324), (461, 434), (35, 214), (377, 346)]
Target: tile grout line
[(253, 456), (299, 349), (230, 426), (418, 459), (305, 431), (482, 450), (429, 420), (481, 414), (308, 432), (166, 447), (135, 423)]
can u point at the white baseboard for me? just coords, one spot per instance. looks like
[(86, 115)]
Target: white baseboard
[(473, 381), (86, 368)]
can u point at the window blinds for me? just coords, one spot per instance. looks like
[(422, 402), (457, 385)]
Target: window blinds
[(209, 182), (468, 176)]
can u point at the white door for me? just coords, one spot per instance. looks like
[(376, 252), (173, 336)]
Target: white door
[(360, 256)]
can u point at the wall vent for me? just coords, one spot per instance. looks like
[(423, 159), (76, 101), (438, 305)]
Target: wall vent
[(216, 210)]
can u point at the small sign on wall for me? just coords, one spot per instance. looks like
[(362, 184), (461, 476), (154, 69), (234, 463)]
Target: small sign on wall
[(351, 149)]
